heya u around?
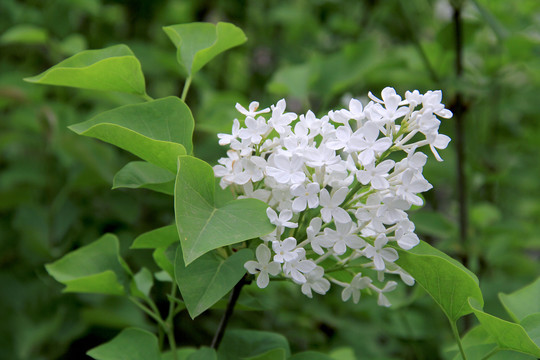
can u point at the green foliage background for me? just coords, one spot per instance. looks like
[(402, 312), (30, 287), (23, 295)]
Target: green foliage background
[(55, 186)]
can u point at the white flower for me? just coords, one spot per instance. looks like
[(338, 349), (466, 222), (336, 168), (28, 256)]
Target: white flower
[(252, 170), (383, 300), (378, 253), (243, 147), (392, 210), (282, 220), (286, 250), (410, 186), (321, 156), (316, 282), (437, 141), (376, 175), (260, 194), (254, 130), (368, 144), (406, 239), (343, 237), (252, 112), (312, 123), (353, 289), (297, 267), (413, 98), (286, 170), (330, 206), (263, 266), (432, 100), (225, 139), (391, 101), (314, 238), (304, 170), (305, 196), (356, 110), (280, 120)]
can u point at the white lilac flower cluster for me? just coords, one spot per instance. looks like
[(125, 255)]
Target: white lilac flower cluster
[(337, 188)]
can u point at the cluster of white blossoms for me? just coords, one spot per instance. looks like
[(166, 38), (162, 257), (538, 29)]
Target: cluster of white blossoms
[(337, 188)]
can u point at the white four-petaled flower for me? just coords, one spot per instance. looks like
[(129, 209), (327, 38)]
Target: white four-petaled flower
[(263, 266)]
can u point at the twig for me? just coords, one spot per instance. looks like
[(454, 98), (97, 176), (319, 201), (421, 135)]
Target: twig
[(228, 313)]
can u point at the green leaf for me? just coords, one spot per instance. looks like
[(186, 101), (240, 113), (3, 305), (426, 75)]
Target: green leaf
[(523, 302), (508, 335), (181, 354), (142, 283), (476, 344), (102, 283), (310, 355), (204, 353), (162, 257), (448, 282), (198, 43), (274, 354), (130, 344), (24, 34), (206, 280), (157, 238), (204, 225), (111, 69), (94, 268), (156, 131), (531, 324), (141, 174), (343, 353), (240, 344)]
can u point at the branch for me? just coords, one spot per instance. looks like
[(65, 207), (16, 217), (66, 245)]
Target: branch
[(228, 313)]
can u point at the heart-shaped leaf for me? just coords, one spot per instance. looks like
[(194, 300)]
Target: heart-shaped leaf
[(207, 279), (111, 69), (158, 238), (523, 302), (130, 344), (94, 268), (141, 174), (156, 131), (204, 225), (448, 282), (507, 335), (241, 344), (198, 43)]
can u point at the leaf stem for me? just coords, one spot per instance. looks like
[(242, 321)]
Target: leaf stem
[(186, 88), (458, 338), (228, 313), (149, 312)]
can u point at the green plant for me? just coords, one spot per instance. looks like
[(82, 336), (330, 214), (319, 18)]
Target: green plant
[(162, 151)]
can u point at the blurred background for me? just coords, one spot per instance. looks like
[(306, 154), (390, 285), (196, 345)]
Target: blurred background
[(55, 186)]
